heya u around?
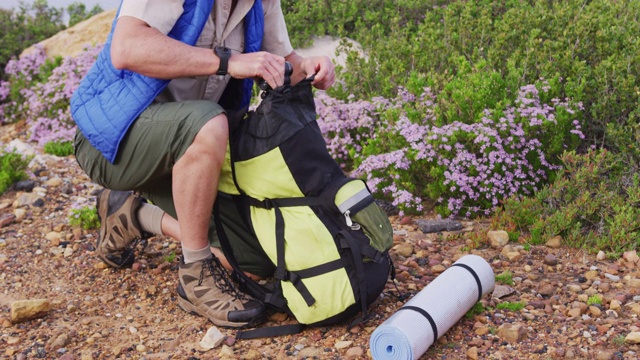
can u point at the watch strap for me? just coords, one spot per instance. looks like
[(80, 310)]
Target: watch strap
[(224, 53)]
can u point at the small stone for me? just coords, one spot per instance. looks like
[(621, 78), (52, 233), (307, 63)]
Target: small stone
[(230, 341), (141, 348), (212, 339), (634, 283), (77, 234), (6, 219), (601, 255), (405, 249), (342, 344), (54, 182), (590, 275), (68, 251), (595, 311), (355, 352), (54, 237), (514, 256), (438, 269), (472, 353), (550, 260), (546, 290), (498, 238), (25, 185), (311, 353), (501, 291), (574, 312), (116, 350), (614, 305), (20, 214), (512, 332), (634, 307), (225, 352), (611, 277), (574, 288), (60, 342), (252, 354), (604, 355), (631, 256), (632, 338), (554, 242)]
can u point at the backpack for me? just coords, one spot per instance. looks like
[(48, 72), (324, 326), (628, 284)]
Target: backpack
[(322, 233)]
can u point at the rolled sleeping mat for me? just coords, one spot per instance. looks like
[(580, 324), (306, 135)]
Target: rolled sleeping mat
[(413, 328)]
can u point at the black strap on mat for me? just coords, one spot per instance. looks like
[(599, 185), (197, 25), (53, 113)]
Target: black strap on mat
[(424, 313), (475, 276)]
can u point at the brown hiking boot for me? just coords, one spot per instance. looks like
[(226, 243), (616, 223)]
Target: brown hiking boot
[(206, 289), (119, 228)]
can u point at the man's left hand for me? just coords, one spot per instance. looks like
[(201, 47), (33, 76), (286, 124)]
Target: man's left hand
[(322, 67)]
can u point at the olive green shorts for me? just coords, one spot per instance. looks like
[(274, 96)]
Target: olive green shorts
[(145, 160)]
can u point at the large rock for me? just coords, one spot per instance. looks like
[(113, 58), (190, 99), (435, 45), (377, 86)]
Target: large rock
[(438, 225), (74, 40), (23, 310)]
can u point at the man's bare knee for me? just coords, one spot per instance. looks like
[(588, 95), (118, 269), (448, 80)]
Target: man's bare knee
[(211, 139)]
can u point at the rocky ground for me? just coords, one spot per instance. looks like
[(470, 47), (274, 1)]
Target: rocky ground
[(576, 304)]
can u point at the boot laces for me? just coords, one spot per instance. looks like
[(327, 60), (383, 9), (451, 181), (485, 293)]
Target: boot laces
[(221, 278)]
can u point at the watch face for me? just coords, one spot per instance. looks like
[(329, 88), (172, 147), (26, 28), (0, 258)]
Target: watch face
[(223, 50)]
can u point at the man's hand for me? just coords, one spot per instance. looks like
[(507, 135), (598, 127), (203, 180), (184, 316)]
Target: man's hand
[(322, 67), (258, 64)]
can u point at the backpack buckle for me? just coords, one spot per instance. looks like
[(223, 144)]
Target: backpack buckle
[(267, 204), (281, 274)]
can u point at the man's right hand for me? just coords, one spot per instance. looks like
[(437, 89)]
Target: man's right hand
[(261, 64)]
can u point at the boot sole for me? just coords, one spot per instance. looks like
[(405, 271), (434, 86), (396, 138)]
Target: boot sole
[(187, 306)]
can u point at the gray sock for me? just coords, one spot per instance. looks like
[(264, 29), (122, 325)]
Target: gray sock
[(150, 218), (191, 256)]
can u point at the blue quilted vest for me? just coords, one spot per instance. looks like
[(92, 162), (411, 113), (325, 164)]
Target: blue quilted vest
[(109, 100)]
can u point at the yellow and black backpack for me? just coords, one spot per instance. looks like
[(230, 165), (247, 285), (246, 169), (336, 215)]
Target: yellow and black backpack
[(324, 236)]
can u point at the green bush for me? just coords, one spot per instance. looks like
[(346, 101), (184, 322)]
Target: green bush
[(12, 168), (78, 12), (85, 217), (594, 203), (26, 26), (59, 148), (473, 52)]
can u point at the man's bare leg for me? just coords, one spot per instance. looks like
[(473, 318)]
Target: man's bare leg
[(195, 182), (203, 287)]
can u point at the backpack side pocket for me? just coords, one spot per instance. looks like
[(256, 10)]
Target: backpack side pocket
[(360, 211)]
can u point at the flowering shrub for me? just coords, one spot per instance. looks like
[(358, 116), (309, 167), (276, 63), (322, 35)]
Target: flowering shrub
[(40, 92), (593, 204), (463, 169)]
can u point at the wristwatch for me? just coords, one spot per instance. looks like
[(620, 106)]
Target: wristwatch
[(224, 53)]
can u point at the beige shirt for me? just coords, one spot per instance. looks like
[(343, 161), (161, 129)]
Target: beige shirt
[(222, 28)]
